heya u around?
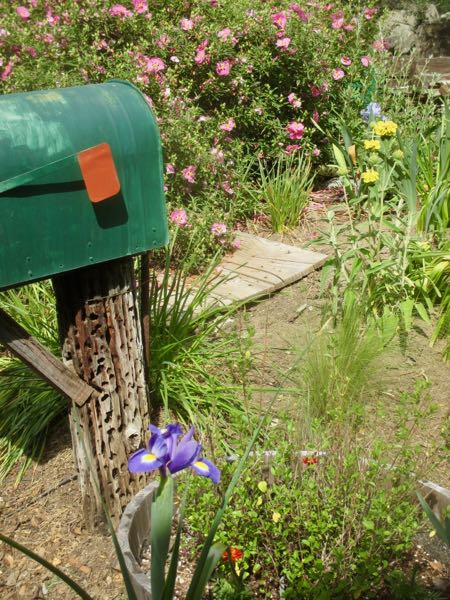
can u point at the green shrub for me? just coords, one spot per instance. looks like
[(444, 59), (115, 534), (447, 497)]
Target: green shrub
[(319, 526)]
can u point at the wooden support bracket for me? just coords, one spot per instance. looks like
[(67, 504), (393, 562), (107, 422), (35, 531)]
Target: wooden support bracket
[(38, 358)]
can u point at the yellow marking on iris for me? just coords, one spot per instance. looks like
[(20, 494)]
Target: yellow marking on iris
[(200, 465), (149, 457)]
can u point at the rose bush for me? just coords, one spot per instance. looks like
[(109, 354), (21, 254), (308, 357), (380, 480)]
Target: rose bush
[(226, 79)]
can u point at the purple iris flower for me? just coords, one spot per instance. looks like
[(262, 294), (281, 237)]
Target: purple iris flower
[(372, 110), (165, 452), (151, 458)]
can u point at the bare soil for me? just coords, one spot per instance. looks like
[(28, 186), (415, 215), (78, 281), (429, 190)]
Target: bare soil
[(43, 511)]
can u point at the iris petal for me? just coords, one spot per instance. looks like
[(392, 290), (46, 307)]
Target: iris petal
[(158, 446), (144, 461), (206, 468), (185, 454)]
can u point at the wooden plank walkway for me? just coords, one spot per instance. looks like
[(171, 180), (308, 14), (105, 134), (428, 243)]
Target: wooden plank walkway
[(260, 267)]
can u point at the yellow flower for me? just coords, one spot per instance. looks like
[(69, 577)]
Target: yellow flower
[(262, 486), (370, 176), (385, 128), (372, 144), (276, 517), (259, 501)]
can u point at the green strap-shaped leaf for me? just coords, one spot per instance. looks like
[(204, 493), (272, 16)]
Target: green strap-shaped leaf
[(169, 587), (70, 582), (214, 555), (443, 531), (160, 529)]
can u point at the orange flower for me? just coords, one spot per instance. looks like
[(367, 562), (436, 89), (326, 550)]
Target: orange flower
[(310, 460), (236, 554)]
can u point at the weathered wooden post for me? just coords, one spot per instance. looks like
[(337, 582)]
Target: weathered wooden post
[(81, 192), (100, 337)]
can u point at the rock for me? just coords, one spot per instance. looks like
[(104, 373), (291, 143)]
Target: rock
[(399, 29), (423, 30), (431, 14)]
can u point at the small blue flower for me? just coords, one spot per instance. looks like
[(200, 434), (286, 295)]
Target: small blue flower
[(372, 110)]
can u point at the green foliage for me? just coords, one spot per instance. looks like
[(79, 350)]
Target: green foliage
[(442, 528), (282, 189), (378, 254), (433, 159), (338, 368), (28, 405), (189, 347), (192, 101), (323, 528)]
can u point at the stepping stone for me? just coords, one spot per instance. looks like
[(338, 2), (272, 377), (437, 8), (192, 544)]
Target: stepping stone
[(260, 267)]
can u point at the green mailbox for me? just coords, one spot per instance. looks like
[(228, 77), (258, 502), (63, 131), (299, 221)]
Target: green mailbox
[(81, 180)]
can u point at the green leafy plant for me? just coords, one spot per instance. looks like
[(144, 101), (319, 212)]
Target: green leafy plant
[(28, 405), (323, 523), (433, 159), (282, 189), (189, 345)]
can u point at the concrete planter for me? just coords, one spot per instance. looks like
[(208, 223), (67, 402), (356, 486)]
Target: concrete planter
[(134, 529)]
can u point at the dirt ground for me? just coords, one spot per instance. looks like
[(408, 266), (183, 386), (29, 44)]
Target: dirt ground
[(44, 513)]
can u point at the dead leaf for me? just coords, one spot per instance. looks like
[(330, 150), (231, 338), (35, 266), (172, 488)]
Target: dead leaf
[(85, 569)]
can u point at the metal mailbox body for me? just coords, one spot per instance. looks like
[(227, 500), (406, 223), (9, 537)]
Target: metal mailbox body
[(48, 222)]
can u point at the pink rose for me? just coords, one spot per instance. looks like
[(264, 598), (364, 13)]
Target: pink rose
[(316, 152), (369, 13), (380, 45), (170, 169), (223, 68), (279, 19), (283, 43), (118, 10), (299, 12), (218, 229), (186, 24), (290, 148), (154, 65), (7, 71), (315, 91), (337, 74), (228, 125), (224, 34), (365, 61), (23, 12), (295, 130), (140, 6), (189, 173), (179, 217), (292, 99), (346, 61)]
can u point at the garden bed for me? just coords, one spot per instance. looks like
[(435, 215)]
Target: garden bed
[(51, 523)]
